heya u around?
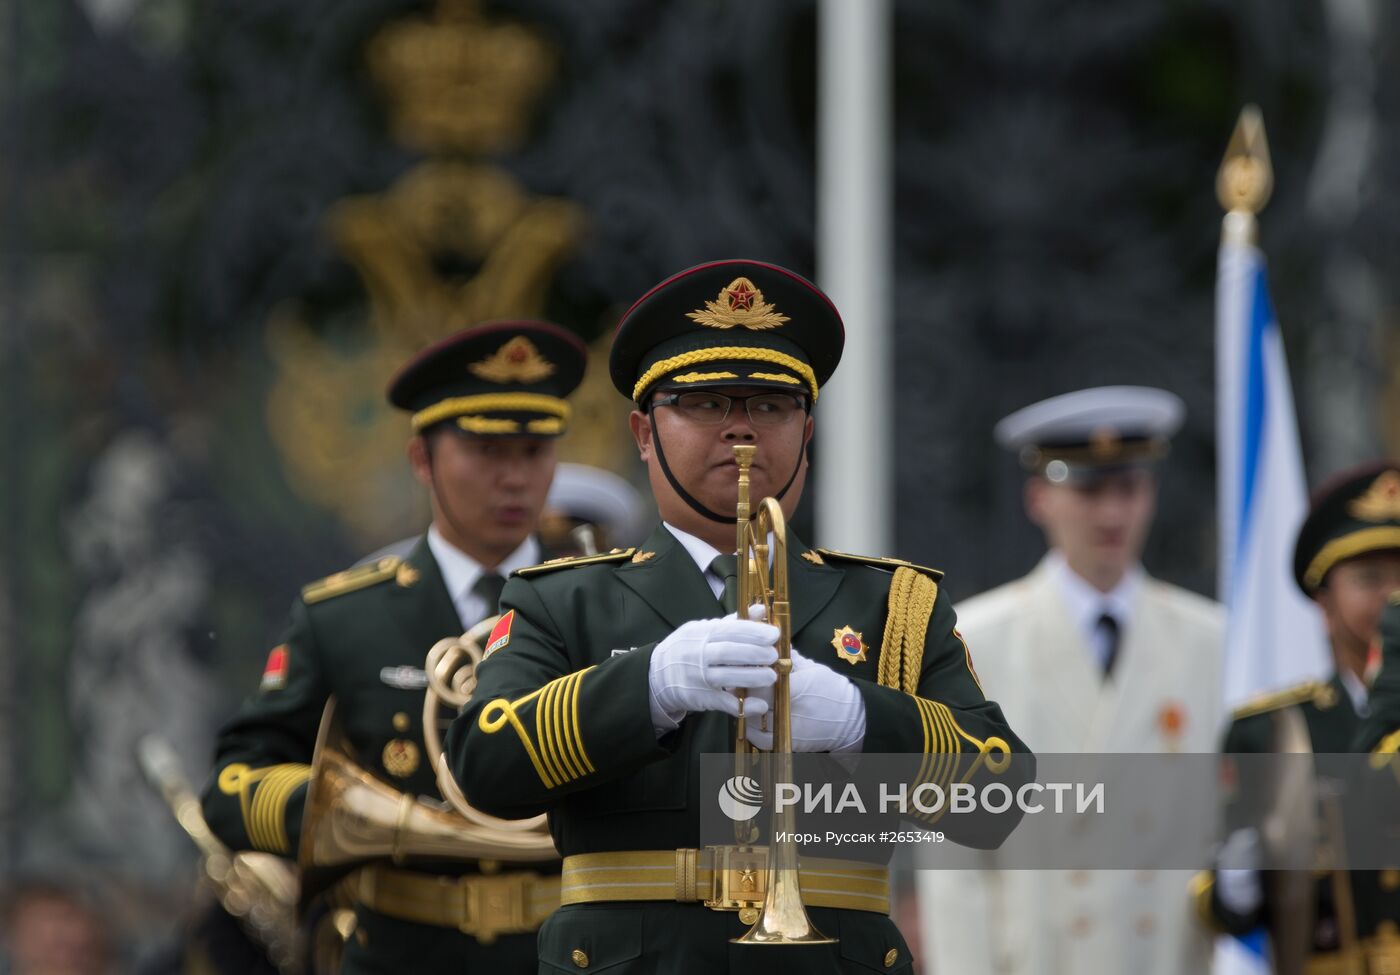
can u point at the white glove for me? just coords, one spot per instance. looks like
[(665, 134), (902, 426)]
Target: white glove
[(698, 666), (1237, 872), (828, 713)]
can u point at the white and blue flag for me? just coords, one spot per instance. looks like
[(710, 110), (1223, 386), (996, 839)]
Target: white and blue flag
[(1274, 634)]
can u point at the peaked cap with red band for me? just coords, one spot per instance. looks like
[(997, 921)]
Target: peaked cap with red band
[(497, 379), (728, 323), (1354, 513)]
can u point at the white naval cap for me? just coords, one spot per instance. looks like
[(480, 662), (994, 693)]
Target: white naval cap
[(1090, 431), (599, 497)]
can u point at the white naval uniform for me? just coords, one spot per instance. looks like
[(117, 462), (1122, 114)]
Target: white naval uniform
[(1036, 661)]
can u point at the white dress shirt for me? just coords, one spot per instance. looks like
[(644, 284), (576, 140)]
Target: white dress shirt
[(1357, 691), (703, 553), (1086, 604), (460, 572)]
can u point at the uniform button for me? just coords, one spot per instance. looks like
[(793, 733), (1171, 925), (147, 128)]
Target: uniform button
[(891, 957), (1079, 878), (489, 866), (1079, 927), (579, 958), (362, 936), (1390, 879), (401, 721), (1146, 924), (748, 915)]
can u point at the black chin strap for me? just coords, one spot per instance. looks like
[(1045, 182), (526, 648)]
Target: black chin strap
[(685, 495)]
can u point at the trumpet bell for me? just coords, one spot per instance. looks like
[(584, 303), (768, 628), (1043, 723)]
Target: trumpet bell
[(351, 818)]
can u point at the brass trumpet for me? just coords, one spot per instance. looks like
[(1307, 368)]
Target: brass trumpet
[(258, 889), (352, 818), (782, 919), (451, 668)]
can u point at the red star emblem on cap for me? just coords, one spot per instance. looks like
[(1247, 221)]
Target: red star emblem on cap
[(740, 296)]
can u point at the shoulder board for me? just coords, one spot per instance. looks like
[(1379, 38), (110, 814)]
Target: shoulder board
[(352, 579), (880, 563), (1311, 690), (573, 561)]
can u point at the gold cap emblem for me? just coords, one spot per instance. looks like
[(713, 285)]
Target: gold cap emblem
[(1104, 443), (518, 361), (1381, 502), (739, 303)]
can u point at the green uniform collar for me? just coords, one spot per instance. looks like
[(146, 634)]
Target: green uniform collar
[(674, 586), (422, 605)]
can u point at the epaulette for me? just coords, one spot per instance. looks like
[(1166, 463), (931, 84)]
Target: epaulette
[(880, 563), (573, 561), (352, 579), (1319, 693)]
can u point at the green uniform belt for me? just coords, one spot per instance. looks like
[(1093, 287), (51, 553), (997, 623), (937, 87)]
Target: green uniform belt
[(481, 905), (725, 878)]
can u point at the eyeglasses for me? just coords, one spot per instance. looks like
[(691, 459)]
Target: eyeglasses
[(712, 409)]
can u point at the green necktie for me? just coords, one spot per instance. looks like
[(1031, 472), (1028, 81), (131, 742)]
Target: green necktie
[(489, 587), (727, 568)]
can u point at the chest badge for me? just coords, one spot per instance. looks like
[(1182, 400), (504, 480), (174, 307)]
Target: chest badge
[(849, 645), (400, 758), (1171, 720)]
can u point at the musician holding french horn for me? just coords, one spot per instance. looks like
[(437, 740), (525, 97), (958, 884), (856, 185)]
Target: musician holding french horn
[(608, 676), (434, 888)]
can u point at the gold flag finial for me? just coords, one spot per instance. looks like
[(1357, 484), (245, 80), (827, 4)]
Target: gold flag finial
[(1246, 177)]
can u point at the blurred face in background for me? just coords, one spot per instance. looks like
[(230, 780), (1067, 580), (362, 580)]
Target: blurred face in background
[(1352, 597), (50, 933), (486, 492), (1099, 525)]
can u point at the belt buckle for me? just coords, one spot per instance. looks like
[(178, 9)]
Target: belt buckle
[(1383, 950), (497, 905), (739, 878)]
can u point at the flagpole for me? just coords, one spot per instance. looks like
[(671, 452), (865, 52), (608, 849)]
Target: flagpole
[(854, 458), (1274, 634), (1243, 186)]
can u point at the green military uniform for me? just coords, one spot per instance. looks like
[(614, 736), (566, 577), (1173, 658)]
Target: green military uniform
[(1355, 926), (560, 721), (1381, 729), (361, 637), (1374, 896)]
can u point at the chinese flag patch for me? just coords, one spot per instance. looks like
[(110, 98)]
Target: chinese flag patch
[(500, 635), (967, 655), (274, 676)]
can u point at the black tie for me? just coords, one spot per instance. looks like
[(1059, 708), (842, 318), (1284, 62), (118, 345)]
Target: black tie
[(1109, 624), (489, 587), (727, 568)]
